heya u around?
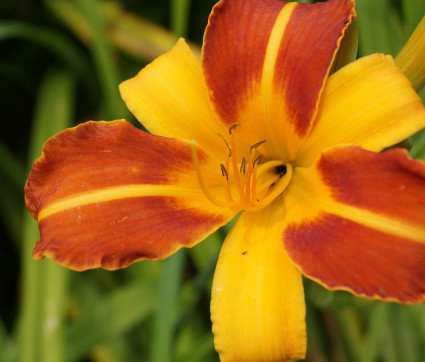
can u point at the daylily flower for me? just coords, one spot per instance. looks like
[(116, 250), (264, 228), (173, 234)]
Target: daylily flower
[(258, 127)]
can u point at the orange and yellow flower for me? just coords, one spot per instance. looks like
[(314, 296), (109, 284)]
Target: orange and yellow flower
[(257, 127)]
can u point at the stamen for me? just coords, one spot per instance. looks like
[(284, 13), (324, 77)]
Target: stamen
[(251, 164), (239, 185), (227, 192), (257, 183), (253, 195), (224, 172), (258, 160), (242, 169), (256, 145), (233, 126), (195, 160), (227, 145)]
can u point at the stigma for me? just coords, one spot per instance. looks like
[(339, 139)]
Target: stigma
[(250, 183)]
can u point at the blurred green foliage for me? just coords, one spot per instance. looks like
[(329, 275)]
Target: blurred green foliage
[(60, 64)]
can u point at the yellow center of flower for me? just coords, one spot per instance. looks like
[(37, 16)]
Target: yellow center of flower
[(255, 183)]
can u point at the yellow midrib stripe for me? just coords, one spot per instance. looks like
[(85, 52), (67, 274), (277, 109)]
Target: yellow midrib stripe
[(376, 221), (269, 66), (367, 218), (113, 193)]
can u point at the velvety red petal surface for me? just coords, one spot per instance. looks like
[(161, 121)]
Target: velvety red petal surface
[(235, 45), (306, 53), (234, 56), (106, 194), (356, 221), (114, 234), (345, 255), (104, 154), (388, 183)]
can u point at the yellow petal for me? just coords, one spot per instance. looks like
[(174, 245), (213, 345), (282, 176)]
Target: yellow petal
[(368, 103), (170, 99), (411, 59), (257, 306)]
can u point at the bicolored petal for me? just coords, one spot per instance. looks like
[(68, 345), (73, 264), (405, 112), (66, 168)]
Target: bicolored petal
[(169, 97), (107, 194), (356, 221), (265, 63), (368, 103), (257, 306)]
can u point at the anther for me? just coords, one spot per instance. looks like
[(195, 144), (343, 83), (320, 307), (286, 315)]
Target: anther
[(242, 170), (233, 126), (258, 160), (255, 145), (209, 196), (224, 171)]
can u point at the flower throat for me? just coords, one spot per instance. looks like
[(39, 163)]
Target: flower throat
[(255, 183)]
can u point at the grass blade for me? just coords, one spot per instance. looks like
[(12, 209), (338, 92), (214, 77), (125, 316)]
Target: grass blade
[(113, 106), (43, 283), (179, 11), (165, 313)]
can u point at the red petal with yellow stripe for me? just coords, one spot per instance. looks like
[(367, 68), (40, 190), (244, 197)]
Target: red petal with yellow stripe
[(107, 194), (266, 62), (356, 221)]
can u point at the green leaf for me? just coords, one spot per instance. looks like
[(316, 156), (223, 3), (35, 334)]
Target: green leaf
[(12, 178), (203, 350), (102, 54), (413, 11), (109, 318), (418, 145), (43, 283), (371, 347), (380, 27), (165, 312), (8, 350), (55, 42), (179, 14)]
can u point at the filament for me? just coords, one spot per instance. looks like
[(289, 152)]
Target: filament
[(201, 179)]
